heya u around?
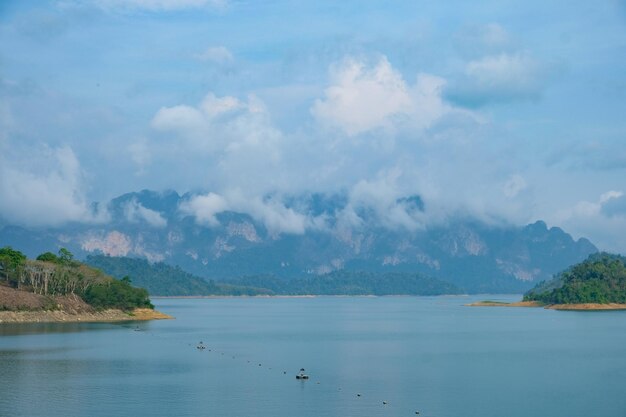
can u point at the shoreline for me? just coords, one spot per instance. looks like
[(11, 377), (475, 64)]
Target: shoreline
[(58, 316), (194, 297), (587, 307), (191, 297), (562, 307)]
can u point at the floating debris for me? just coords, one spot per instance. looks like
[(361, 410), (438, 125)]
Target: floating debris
[(302, 375)]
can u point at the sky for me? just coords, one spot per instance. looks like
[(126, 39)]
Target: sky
[(505, 111)]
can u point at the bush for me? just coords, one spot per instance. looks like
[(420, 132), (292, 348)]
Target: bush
[(117, 294)]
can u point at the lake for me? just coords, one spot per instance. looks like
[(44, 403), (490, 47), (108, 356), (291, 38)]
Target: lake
[(430, 354)]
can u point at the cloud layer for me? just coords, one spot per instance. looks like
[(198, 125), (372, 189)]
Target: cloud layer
[(481, 114), (50, 192)]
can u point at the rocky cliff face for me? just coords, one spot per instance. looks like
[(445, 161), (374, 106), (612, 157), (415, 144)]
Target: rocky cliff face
[(223, 244)]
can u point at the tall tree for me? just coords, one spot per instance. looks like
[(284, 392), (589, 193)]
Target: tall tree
[(11, 265)]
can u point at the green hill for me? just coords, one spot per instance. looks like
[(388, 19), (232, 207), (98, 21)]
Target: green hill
[(165, 280), (353, 283), (51, 280), (600, 279)]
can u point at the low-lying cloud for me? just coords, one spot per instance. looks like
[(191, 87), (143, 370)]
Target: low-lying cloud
[(45, 189), (134, 212)]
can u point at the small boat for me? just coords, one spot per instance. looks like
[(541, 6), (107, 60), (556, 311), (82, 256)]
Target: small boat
[(302, 375), (200, 346)]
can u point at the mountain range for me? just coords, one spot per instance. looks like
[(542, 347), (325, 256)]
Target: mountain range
[(217, 242)]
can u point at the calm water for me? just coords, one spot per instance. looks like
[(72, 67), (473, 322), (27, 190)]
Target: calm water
[(427, 354)]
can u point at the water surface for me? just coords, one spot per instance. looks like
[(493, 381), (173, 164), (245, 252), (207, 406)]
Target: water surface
[(430, 354)]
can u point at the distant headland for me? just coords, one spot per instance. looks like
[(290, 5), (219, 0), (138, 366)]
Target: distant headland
[(56, 288), (598, 283)]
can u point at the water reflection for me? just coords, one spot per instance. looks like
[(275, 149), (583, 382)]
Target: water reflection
[(20, 329)]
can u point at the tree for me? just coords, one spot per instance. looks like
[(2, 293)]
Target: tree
[(49, 257), (65, 256), (11, 265)]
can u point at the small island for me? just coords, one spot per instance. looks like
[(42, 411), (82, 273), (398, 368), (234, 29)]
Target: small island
[(57, 288), (490, 303), (598, 283)]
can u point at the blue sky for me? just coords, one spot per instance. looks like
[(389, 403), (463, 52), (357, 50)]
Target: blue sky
[(508, 111)]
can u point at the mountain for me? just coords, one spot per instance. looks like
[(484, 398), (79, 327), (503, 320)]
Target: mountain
[(312, 235)]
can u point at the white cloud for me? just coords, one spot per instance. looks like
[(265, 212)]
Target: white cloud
[(134, 211), (215, 124), (603, 219), (610, 195), (585, 208), (514, 185), (500, 78), (274, 215), (204, 208), (517, 71), (218, 54), (270, 211), (45, 189), (381, 200), (229, 141), (363, 98), (180, 117)]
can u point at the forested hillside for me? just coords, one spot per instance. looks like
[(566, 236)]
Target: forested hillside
[(600, 279), (60, 275), (353, 283), (165, 280), (162, 279)]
